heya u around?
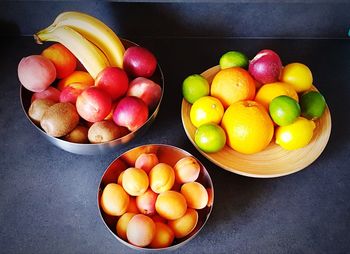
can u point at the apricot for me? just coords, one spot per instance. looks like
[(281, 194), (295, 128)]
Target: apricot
[(122, 224), (195, 194), (135, 181), (184, 225), (36, 73), (131, 156), (187, 170), (132, 207), (114, 199), (146, 202), (82, 77), (171, 205), (161, 177), (210, 197), (65, 62), (120, 178), (146, 161), (140, 230), (164, 236)]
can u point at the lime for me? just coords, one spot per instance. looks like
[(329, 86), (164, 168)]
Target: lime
[(284, 110), (194, 87), (298, 75), (210, 138), (233, 59), (207, 109), (296, 135), (312, 105)]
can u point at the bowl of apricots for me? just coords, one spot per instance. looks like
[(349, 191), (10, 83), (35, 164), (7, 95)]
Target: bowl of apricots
[(155, 197)]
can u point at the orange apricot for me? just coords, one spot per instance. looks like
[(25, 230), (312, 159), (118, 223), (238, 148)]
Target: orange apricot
[(195, 194), (161, 177), (184, 225), (65, 62), (210, 197), (140, 230), (122, 224), (171, 205), (132, 207), (146, 161), (76, 77), (135, 181), (146, 202), (187, 170), (114, 199), (164, 236)]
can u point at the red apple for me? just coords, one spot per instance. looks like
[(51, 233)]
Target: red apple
[(139, 62), (114, 81), (71, 92), (93, 104), (131, 112), (50, 93), (147, 90), (266, 66)]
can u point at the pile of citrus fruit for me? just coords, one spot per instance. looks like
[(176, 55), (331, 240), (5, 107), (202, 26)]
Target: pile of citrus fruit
[(251, 103)]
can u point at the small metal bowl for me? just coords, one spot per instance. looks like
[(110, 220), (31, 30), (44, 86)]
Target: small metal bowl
[(166, 154), (92, 149)]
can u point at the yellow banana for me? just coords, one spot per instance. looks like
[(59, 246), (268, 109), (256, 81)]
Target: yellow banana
[(95, 31), (87, 53)]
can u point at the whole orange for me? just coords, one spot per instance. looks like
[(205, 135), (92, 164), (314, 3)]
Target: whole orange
[(231, 85), (248, 126)]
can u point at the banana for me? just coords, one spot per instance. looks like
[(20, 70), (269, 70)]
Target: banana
[(95, 31), (90, 57)]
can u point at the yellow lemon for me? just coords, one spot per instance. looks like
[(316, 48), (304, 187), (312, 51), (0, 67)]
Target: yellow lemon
[(207, 109), (296, 135), (298, 75)]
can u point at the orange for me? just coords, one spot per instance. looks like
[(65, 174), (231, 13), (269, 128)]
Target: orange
[(248, 126), (76, 77), (231, 85), (268, 92)]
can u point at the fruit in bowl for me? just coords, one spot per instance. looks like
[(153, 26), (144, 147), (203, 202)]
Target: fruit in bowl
[(88, 68), (267, 127), (173, 200)]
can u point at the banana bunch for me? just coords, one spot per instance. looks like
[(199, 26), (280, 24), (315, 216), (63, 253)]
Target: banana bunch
[(94, 44)]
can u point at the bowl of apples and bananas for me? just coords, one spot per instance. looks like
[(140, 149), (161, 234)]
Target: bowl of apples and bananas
[(89, 91)]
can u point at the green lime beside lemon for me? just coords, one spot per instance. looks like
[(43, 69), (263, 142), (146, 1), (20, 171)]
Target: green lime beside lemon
[(233, 59), (194, 87), (284, 110), (210, 138), (312, 105)]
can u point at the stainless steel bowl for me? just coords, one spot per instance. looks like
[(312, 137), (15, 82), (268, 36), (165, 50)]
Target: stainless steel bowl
[(167, 154), (92, 149)]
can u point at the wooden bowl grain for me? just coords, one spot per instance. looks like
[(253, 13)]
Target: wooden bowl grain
[(274, 161)]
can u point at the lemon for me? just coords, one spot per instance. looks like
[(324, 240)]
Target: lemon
[(210, 138), (312, 105), (296, 135), (207, 109), (233, 59), (194, 87), (298, 75)]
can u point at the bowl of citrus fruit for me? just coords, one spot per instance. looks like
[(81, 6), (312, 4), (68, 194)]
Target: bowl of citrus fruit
[(155, 197), (256, 117)]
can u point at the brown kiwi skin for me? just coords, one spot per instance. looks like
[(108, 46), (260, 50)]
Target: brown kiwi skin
[(60, 119), (38, 108), (104, 131), (78, 135)]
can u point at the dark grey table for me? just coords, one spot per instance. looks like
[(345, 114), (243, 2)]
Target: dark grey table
[(48, 198)]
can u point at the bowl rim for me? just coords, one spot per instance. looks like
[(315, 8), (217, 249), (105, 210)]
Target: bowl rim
[(115, 143), (172, 247)]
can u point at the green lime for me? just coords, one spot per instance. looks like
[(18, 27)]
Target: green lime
[(194, 87), (210, 138), (284, 110), (233, 59), (312, 105)]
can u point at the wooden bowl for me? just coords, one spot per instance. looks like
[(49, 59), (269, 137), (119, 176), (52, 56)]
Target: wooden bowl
[(274, 161)]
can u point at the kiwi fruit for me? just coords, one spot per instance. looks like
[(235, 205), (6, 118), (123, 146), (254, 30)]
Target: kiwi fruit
[(104, 131), (60, 119), (38, 108), (78, 135)]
